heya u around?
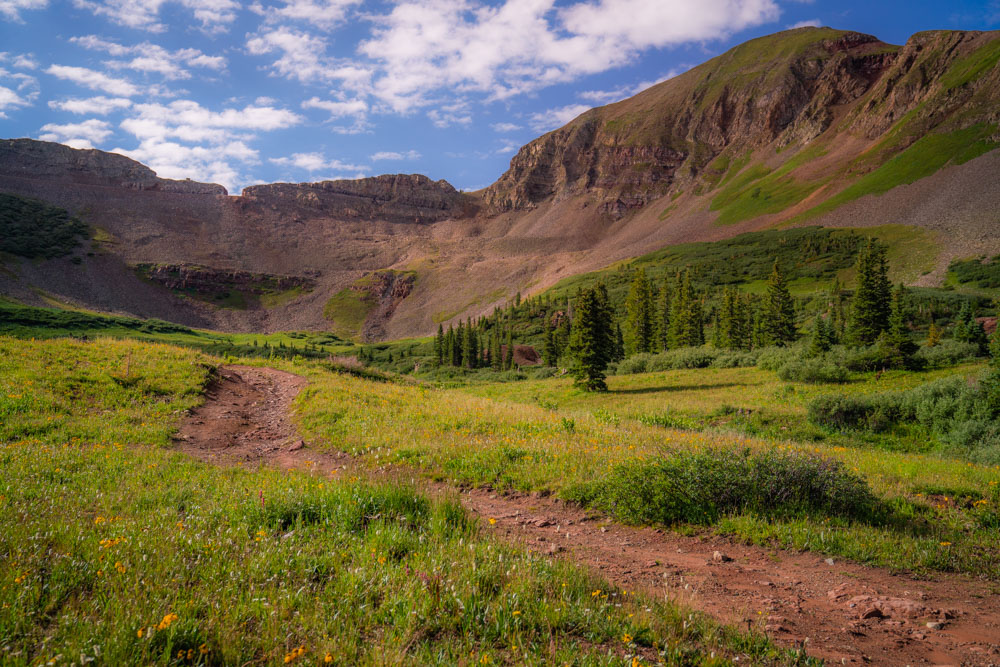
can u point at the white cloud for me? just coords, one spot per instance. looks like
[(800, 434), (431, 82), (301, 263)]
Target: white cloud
[(321, 13), (425, 46), (152, 58), (165, 132), (505, 127), (214, 15), (89, 78), (313, 162), (395, 155), (353, 108), (25, 61), (303, 55), (456, 113), (507, 148), (77, 135), (550, 119), (99, 105), (10, 100), (812, 23), (11, 9)]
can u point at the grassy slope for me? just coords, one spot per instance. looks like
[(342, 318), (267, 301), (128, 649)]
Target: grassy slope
[(115, 548)]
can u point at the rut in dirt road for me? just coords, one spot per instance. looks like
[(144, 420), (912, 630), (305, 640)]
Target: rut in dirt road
[(842, 612)]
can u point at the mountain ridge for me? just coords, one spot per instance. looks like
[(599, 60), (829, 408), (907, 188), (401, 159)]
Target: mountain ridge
[(786, 129)]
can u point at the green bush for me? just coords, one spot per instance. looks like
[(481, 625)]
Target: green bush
[(638, 363), (948, 352), (734, 359), (773, 358), (685, 357), (700, 487)]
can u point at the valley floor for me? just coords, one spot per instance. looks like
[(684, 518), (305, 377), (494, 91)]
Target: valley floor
[(838, 610)]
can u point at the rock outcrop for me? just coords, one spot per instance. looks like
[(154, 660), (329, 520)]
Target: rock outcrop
[(58, 164), (395, 198)]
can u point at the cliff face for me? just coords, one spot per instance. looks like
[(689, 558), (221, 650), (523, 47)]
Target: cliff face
[(396, 198), (782, 90), (58, 164)]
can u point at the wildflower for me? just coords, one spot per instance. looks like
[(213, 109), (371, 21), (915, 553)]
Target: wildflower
[(626, 638), (946, 544), (517, 613), (492, 521), (119, 567), (203, 649), (138, 633), (167, 621), (328, 658)]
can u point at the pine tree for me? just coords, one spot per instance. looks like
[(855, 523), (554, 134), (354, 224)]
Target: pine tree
[(551, 353), (508, 361), (822, 339), (778, 316), (619, 351), (439, 345), (663, 317), (871, 305), (895, 345), (591, 343), (639, 319), (496, 361)]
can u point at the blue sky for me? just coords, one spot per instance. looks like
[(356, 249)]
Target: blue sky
[(248, 91)]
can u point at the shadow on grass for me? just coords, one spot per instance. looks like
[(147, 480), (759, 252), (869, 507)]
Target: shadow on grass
[(673, 388)]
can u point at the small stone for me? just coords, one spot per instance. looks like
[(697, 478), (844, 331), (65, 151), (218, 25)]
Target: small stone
[(935, 625), (651, 563), (829, 561), (555, 548), (299, 444), (774, 627), (603, 529), (720, 557), (542, 523)]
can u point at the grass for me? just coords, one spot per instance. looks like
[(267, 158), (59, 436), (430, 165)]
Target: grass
[(545, 436), (347, 311), (118, 550)]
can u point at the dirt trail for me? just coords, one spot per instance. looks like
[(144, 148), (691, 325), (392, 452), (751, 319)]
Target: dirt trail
[(842, 612)]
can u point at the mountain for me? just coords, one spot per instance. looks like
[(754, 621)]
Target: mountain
[(808, 126)]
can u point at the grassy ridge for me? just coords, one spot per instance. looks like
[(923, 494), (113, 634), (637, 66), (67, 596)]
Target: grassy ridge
[(115, 549)]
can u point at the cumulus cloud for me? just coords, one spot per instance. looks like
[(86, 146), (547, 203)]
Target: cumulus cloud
[(313, 162), (221, 138), (25, 61), (152, 58), (77, 135), (395, 155), (94, 80), (214, 15), (99, 105), (9, 99), (505, 127), (550, 119), (355, 109), (11, 9), (320, 13), (424, 46)]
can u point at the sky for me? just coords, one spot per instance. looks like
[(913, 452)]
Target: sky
[(239, 92)]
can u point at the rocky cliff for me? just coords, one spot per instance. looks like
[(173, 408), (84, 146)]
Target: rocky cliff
[(784, 90)]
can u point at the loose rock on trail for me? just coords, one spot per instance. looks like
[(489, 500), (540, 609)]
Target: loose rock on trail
[(842, 612)]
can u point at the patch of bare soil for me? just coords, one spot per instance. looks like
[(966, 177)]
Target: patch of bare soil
[(840, 611)]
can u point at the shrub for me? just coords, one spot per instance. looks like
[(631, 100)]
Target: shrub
[(685, 357), (734, 359), (699, 487), (818, 369), (948, 352), (773, 358), (840, 413), (635, 364)]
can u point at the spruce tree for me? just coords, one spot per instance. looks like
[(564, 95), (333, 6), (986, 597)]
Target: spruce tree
[(439, 345), (822, 339), (663, 317), (591, 342), (619, 351), (639, 319), (508, 361), (551, 353), (872, 302), (778, 316), (895, 345), (933, 334)]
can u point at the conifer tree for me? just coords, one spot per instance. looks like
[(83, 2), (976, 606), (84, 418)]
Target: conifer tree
[(639, 319), (619, 351), (895, 344), (496, 361), (551, 353), (871, 305), (508, 361), (591, 342), (663, 317), (778, 316), (439, 345), (822, 339), (933, 334)]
